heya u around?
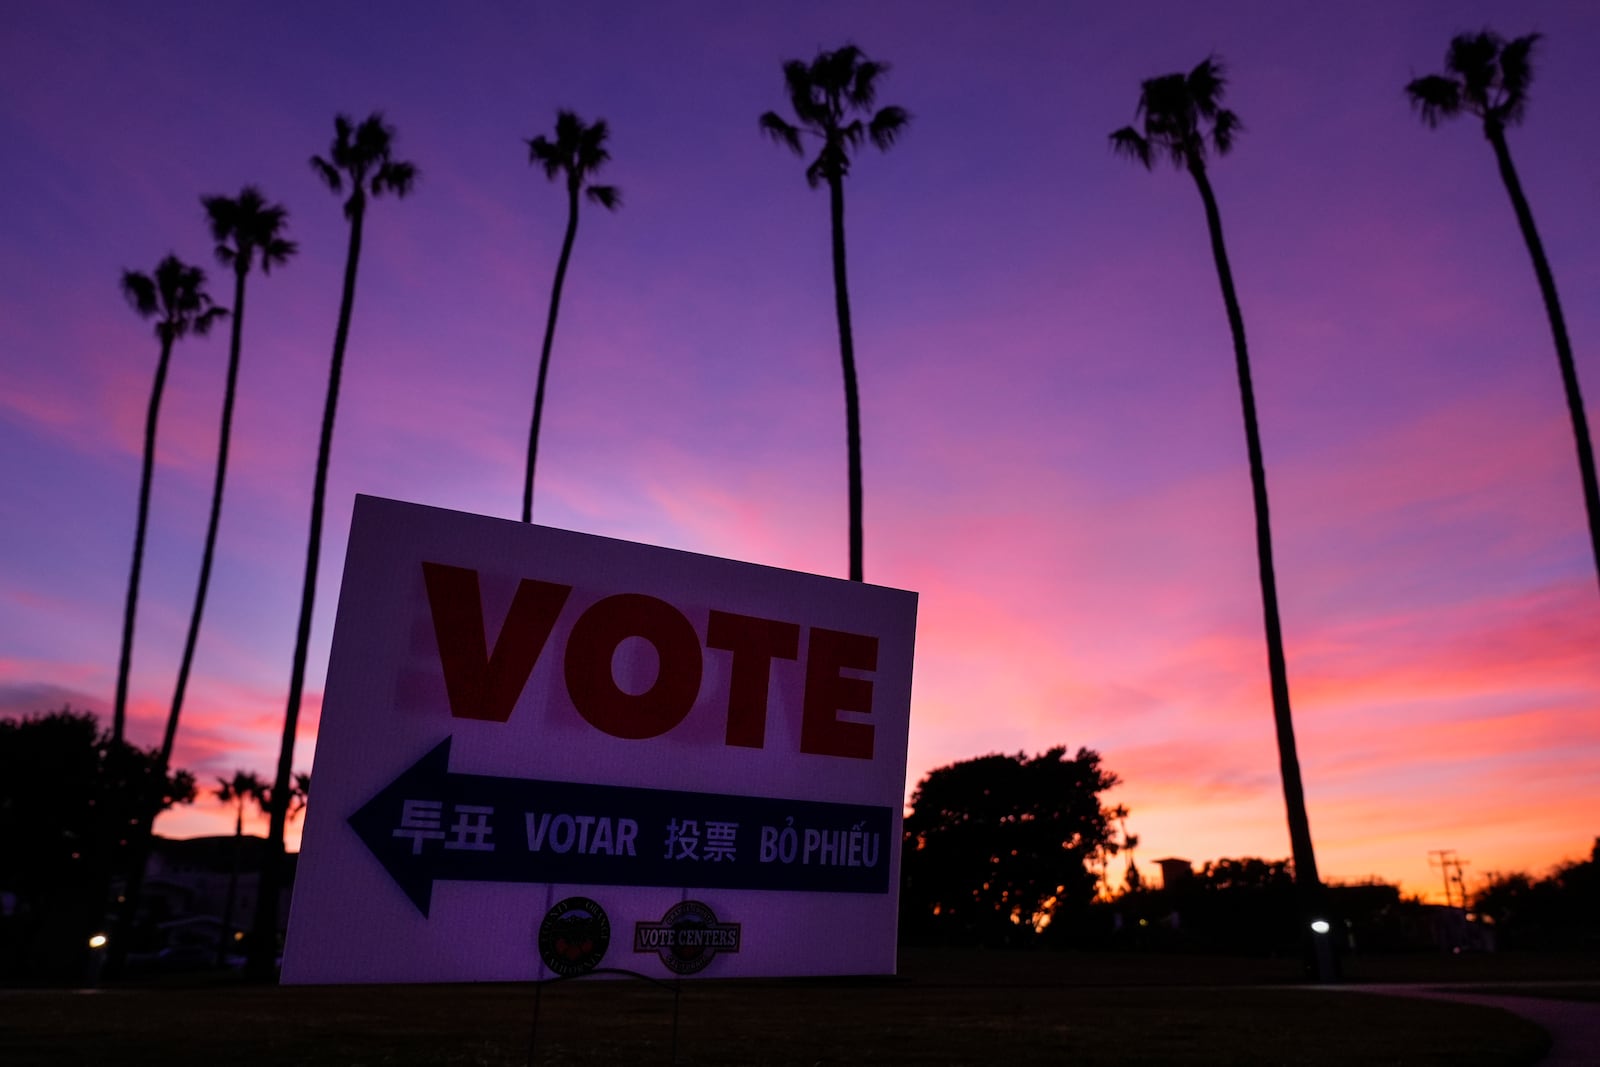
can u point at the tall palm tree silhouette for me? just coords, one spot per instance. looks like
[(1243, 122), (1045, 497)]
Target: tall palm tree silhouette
[(175, 294), (830, 96), (247, 230), (175, 297), (1488, 77), (577, 152), (1180, 114), (361, 159), (244, 787)]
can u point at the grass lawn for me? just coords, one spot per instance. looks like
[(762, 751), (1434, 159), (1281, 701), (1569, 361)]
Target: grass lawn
[(947, 1008)]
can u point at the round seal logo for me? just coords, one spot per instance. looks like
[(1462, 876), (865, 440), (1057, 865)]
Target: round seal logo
[(687, 938), (574, 936)]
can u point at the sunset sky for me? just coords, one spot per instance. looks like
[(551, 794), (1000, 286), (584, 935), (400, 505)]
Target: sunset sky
[(1054, 455)]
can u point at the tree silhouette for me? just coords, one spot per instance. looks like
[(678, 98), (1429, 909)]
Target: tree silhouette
[(578, 152), (1181, 113), (244, 787), (829, 95), (70, 796), (997, 847), (1556, 912), (1489, 77), (252, 227), (360, 159), (175, 297), (247, 230)]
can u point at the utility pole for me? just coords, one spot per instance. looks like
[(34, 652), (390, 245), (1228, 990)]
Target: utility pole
[(1455, 885), (1447, 863)]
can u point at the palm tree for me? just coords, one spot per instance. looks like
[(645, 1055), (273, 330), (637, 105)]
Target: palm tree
[(1489, 77), (828, 96), (176, 297), (578, 151), (247, 230), (360, 159), (243, 787), (1181, 113), (176, 294)]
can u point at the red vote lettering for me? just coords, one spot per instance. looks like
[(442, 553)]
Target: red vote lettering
[(481, 684), (593, 686), (754, 643), (828, 692), (485, 685)]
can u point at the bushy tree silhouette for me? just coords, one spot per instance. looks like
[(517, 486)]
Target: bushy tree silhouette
[(833, 98), (1560, 911), (577, 153), (997, 847), (71, 798), (1488, 77)]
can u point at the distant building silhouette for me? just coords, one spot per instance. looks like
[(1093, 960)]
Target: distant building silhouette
[(1175, 873)]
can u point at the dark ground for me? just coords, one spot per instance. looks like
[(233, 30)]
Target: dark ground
[(946, 1007)]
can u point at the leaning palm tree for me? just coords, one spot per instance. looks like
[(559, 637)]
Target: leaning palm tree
[(244, 787), (361, 160), (176, 293), (1488, 77), (247, 230), (1181, 114), (830, 95), (578, 152), (175, 296)]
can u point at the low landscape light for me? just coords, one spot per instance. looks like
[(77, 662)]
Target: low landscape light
[(1319, 926), (97, 941)]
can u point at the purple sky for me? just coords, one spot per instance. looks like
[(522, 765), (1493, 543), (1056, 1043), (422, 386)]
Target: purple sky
[(1054, 457)]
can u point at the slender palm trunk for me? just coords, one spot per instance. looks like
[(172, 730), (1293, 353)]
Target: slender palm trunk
[(264, 931), (145, 826), (226, 932), (549, 338), (847, 356), (209, 554), (1558, 328), (119, 714), (1306, 878), (134, 882)]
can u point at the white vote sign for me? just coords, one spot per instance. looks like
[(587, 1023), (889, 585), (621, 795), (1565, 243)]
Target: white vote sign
[(543, 753)]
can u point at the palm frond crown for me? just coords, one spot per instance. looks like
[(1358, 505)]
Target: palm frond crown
[(361, 157), (175, 296), (1178, 115), (245, 226), (243, 786), (832, 98), (1485, 75), (578, 152)]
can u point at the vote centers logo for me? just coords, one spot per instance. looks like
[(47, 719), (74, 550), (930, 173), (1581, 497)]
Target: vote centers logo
[(574, 936), (687, 938)]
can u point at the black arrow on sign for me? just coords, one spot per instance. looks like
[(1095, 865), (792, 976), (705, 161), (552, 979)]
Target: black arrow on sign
[(431, 824)]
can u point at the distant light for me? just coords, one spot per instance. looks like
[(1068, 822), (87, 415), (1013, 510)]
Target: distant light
[(1320, 925), (97, 941), (238, 935)]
